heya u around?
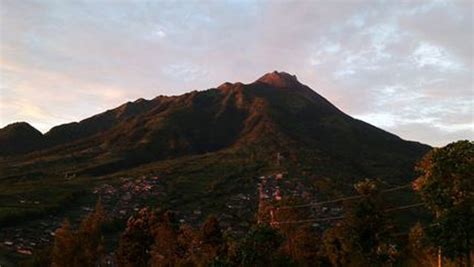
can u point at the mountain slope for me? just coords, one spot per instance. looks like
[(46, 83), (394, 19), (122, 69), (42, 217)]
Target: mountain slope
[(313, 122), (19, 138), (206, 148), (274, 114)]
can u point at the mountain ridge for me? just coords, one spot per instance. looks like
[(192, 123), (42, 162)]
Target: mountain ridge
[(275, 79), (274, 113)]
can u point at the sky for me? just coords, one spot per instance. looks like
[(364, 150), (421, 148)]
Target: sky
[(403, 66)]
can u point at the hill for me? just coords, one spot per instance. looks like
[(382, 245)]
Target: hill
[(20, 138)]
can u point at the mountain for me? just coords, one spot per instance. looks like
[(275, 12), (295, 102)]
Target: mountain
[(19, 138), (207, 149), (276, 113)]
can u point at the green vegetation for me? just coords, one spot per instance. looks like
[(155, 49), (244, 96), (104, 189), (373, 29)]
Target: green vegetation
[(446, 185)]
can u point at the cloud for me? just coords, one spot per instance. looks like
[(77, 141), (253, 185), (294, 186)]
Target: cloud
[(392, 63), (47, 98), (439, 136), (185, 71), (428, 55)]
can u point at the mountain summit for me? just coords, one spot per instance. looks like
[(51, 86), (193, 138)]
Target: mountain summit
[(19, 138), (280, 79), (261, 118)]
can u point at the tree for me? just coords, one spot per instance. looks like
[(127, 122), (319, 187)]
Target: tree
[(337, 246), (301, 243), (306, 246), (65, 246), (137, 239), (82, 247), (188, 241), (446, 186), (365, 235), (165, 250), (90, 240), (260, 247), (212, 244), (420, 253)]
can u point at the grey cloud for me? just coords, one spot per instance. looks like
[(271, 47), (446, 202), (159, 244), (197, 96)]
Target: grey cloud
[(362, 55), (438, 136)]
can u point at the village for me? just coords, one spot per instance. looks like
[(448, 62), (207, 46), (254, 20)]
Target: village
[(119, 201), (275, 188), (123, 199), (24, 239)]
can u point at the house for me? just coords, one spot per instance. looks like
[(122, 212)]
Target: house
[(277, 195), (24, 251)]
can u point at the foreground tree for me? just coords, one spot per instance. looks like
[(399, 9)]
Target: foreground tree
[(301, 242), (365, 235), (83, 247), (446, 186), (165, 249), (65, 244), (137, 239), (418, 251), (212, 243), (188, 241), (306, 246), (89, 237), (260, 247), (337, 246)]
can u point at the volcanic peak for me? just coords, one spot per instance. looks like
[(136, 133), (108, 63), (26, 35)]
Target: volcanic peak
[(280, 79)]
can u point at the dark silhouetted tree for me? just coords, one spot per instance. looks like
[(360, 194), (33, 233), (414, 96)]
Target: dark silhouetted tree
[(64, 247), (365, 233), (82, 247), (338, 246), (212, 245), (188, 241), (166, 250), (89, 236), (446, 185), (260, 247), (419, 252), (136, 241), (301, 243), (306, 246)]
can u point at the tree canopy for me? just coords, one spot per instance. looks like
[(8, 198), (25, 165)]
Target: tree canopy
[(446, 186)]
